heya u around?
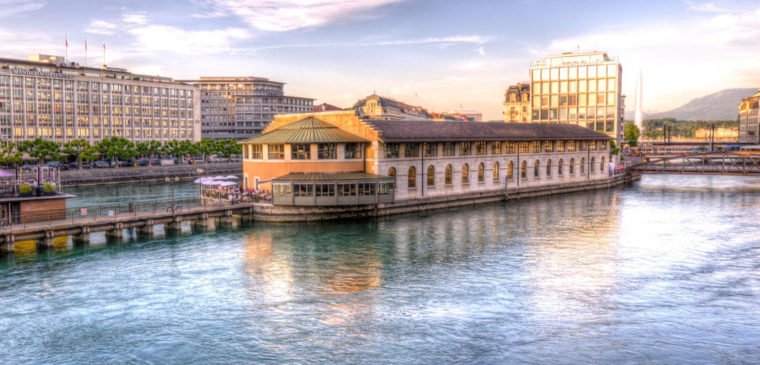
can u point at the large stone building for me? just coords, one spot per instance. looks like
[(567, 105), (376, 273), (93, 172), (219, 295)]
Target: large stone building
[(49, 98), (241, 107), (749, 119), (578, 88), (382, 108), (338, 158), (517, 103)]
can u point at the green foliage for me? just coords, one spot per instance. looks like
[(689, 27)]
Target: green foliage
[(631, 134), (48, 187), (9, 155), (653, 128), (117, 148), (41, 150), (81, 150), (227, 147), (614, 148), (24, 189), (148, 149)]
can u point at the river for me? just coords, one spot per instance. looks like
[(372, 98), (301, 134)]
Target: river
[(664, 271)]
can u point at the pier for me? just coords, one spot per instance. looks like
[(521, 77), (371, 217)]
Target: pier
[(80, 229)]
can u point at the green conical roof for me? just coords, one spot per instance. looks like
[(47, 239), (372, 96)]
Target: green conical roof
[(309, 130)]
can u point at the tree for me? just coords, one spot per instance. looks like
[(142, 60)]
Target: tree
[(205, 147), (40, 150), (228, 147), (81, 150), (117, 148), (631, 134), (9, 155), (614, 150)]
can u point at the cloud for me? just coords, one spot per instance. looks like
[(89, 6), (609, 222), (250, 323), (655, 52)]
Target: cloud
[(450, 40), (101, 27), (704, 7), (134, 18), (169, 39), (681, 59), (286, 15), (14, 7)]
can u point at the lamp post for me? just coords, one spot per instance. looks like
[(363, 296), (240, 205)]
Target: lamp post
[(200, 187), (172, 181)]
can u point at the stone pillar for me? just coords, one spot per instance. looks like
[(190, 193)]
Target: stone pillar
[(174, 226), (83, 237), (205, 222), (7, 247), (147, 229), (47, 241), (116, 233), (231, 221)]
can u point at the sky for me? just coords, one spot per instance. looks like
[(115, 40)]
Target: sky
[(442, 55)]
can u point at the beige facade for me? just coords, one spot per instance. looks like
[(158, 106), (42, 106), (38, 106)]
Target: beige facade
[(517, 103), (578, 88), (749, 119), (53, 100)]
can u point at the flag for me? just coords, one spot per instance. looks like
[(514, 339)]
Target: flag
[(104, 46), (85, 44), (66, 40)]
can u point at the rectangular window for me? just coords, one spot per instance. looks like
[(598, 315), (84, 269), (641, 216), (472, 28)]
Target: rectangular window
[(303, 190), (301, 151), (535, 147), (560, 146), (327, 151), (495, 148), (548, 146), (276, 151), (324, 189), (480, 148), (347, 189), (257, 152), (570, 146), (391, 150), (465, 148), (431, 149), (511, 147), (524, 147), (353, 151), (449, 149), (411, 150), (366, 189)]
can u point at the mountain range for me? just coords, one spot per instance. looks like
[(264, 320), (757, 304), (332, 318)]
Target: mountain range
[(721, 105)]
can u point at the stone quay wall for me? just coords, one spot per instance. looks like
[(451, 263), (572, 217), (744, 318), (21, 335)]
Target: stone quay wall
[(142, 174)]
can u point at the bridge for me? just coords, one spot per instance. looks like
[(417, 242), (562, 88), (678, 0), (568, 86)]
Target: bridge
[(707, 163), (143, 222)]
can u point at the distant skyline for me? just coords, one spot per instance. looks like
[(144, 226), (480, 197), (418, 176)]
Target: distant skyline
[(441, 55)]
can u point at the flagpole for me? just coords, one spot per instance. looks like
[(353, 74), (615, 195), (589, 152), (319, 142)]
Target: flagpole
[(85, 51), (66, 44)]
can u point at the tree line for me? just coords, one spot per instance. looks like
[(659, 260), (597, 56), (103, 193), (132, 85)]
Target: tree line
[(113, 149), (653, 128)]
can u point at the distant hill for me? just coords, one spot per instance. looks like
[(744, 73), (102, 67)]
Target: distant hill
[(717, 106)]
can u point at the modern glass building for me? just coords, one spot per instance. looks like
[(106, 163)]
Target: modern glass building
[(241, 107), (578, 88), (49, 98)]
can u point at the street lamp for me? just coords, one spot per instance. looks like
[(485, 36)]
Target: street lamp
[(200, 186), (172, 181)]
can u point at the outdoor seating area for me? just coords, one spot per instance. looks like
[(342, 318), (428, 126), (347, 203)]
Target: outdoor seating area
[(225, 189)]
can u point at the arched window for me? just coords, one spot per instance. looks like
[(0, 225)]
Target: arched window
[(536, 166), (524, 170), (431, 176), (549, 168), (601, 166), (591, 166), (572, 166), (465, 174), (481, 173), (583, 165), (392, 173), (496, 172), (412, 178), (448, 175), (560, 167), (510, 170)]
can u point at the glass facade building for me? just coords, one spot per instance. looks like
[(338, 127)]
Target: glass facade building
[(578, 88), (241, 107), (46, 97)]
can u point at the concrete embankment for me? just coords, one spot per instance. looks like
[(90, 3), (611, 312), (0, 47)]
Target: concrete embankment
[(143, 174), (270, 213)]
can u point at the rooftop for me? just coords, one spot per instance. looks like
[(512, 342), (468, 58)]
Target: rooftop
[(341, 176), (427, 131), (58, 65), (309, 130)]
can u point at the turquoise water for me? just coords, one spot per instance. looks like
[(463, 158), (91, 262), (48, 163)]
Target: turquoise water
[(666, 271)]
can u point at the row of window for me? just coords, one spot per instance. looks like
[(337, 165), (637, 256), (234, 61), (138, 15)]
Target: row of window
[(31, 82), (18, 132), (481, 176), (331, 190), (325, 151), (574, 72), (411, 150)]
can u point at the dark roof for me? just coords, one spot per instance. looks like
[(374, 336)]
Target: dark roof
[(340, 176), (309, 130), (429, 131)]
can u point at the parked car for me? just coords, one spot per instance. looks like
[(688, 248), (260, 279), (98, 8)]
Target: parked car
[(143, 162), (101, 164)]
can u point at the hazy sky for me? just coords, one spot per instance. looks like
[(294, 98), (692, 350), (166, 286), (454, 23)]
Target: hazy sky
[(438, 54)]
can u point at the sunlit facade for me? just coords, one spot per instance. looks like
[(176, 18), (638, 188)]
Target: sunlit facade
[(749, 120), (517, 103), (578, 88), (241, 107), (45, 97)]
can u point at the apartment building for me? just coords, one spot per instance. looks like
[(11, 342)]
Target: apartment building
[(241, 107), (49, 98), (517, 103), (749, 120)]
